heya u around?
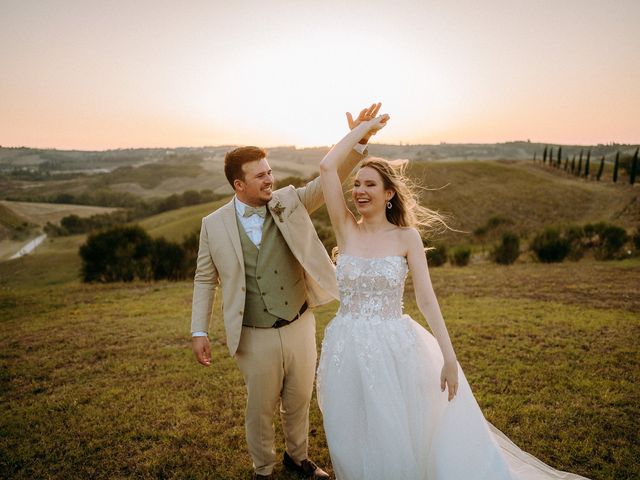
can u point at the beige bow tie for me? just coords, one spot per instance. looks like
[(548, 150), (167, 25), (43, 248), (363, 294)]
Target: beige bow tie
[(248, 211)]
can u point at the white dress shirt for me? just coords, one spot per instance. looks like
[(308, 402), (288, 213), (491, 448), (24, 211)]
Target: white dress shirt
[(252, 225)]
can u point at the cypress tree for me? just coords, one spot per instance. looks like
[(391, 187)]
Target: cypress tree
[(573, 164), (551, 156), (544, 155), (534, 157), (600, 169), (615, 167), (559, 162), (579, 170), (586, 166), (634, 167), (579, 164), (566, 163)]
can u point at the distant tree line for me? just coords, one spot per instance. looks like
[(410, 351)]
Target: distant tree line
[(73, 224), (628, 163)]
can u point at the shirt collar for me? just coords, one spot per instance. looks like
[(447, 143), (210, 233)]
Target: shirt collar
[(240, 206)]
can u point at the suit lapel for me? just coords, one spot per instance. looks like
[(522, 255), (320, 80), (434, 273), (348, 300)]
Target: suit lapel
[(277, 202), (231, 227)]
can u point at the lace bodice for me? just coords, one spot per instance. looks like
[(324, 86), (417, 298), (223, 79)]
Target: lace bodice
[(371, 288)]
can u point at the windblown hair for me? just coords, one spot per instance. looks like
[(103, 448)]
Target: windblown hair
[(406, 210)]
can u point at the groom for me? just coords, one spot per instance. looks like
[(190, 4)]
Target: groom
[(263, 250)]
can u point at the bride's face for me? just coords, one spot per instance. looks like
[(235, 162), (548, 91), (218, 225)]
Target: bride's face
[(368, 191)]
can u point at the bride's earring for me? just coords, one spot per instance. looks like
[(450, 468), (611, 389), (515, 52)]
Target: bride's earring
[(389, 205)]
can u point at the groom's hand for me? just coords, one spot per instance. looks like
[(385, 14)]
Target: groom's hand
[(202, 349), (365, 115)]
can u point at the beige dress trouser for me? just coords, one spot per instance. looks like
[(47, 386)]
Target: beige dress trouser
[(278, 365)]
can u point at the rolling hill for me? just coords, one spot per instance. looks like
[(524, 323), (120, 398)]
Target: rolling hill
[(527, 197)]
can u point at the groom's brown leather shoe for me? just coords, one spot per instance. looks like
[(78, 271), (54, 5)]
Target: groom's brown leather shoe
[(257, 476), (306, 469)]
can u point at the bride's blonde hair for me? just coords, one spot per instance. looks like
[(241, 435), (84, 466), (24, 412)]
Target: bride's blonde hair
[(406, 210)]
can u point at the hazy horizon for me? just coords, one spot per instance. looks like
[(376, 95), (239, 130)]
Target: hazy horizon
[(271, 147), (119, 75)]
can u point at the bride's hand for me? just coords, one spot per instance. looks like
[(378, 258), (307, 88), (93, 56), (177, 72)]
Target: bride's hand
[(376, 124), (366, 115), (449, 376)]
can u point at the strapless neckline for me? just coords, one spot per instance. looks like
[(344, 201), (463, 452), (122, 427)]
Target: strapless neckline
[(358, 257)]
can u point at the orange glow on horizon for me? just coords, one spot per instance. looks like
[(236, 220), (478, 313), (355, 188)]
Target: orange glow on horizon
[(211, 73)]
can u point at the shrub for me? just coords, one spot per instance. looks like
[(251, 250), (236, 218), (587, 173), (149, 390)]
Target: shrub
[(119, 254), (508, 250), (191, 197), (612, 239), (167, 260), (123, 254), (575, 236), (636, 239), (190, 245), (495, 222), (480, 231), (460, 256), (437, 255), (549, 246), (593, 232)]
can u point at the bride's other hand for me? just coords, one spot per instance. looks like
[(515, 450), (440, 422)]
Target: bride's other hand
[(449, 376)]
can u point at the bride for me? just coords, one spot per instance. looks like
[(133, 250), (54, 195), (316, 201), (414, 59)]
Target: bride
[(382, 377)]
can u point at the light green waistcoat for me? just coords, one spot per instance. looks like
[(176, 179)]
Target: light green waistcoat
[(274, 278)]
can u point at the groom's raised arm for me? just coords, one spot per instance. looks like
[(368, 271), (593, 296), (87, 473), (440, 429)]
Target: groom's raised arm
[(311, 194)]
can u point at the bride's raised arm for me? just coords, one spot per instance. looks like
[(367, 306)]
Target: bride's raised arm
[(331, 185)]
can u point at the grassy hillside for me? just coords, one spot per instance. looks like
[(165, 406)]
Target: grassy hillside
[(9, 218), (41, 213), (14, 230), (98, 381), (531, 196), (176, 224), (22, 221)]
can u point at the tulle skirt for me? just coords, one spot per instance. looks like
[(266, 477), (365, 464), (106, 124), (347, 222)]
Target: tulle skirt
[(386, 418)]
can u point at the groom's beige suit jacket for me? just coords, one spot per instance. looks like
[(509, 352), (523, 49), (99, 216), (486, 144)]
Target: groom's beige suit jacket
[(221, 263)]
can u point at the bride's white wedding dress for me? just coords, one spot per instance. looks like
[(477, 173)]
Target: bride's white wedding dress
[(378, 385)]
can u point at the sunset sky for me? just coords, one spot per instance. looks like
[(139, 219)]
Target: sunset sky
[(100, 74)]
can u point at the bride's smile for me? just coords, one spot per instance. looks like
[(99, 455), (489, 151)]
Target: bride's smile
[(368, 193)]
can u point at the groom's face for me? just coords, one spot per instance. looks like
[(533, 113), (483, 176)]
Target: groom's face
[(256, 188)]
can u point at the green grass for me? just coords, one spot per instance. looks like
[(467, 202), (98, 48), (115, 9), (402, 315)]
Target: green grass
[(10, 219), (174, 225), (98, 381)]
